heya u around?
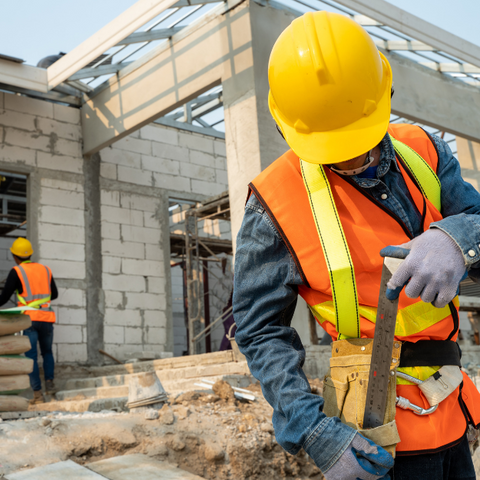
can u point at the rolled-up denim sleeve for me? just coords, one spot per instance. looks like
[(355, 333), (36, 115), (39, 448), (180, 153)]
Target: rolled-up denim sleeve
[(265, 296), (460, 205)]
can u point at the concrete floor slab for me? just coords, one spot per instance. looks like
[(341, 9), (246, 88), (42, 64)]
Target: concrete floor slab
[(57, 471), (139, 467)]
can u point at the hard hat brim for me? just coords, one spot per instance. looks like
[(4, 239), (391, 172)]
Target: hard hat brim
[(342, 144)]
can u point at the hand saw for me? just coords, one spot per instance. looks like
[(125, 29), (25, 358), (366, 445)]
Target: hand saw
[(383, 341)]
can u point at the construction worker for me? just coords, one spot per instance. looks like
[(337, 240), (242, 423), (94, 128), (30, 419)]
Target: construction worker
[(315, 223), (34, 286)]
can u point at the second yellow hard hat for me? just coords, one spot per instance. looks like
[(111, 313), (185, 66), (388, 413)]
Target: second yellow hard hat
[(22, 248), (330, 88)]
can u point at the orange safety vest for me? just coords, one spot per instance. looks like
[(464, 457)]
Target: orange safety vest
[(36, 280), (368, 227)]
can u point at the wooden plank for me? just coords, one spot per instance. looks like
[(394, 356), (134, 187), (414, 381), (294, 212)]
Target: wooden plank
[(139, 467), (57, 471)]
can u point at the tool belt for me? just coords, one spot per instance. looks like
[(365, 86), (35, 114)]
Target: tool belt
[(345, 385)]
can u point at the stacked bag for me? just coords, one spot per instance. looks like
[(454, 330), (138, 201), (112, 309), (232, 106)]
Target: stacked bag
[(14, 367)]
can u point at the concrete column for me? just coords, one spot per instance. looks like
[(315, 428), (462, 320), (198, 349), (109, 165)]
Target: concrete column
[(93, 261), (252, 140)]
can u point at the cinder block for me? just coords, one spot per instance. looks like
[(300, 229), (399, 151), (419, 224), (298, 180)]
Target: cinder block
[(71, 316), (70, 297), (113, 300), (132, 233), (170, 182), (62, 251), (109, 197), (66, 269), (197, 171), (47, 126), (157, 336), (110, 230), (62, 233), (114, 334), (221, 163), (67, 147), (172, 152), (154, 252), (61, 184), (121, 215), (23, 121), (123, 283), (67, 334), (61, 216), (220, 148), (156, 284), (150, 220), (17, 155), (71, 353), (108, 170), (32, 140), (121, 157), (29, 105), (111, 264), (207, 188), (202, 158), (60, 162), (145, 301), (66, 114), (123, 318), (133, 335), (117, 248), (139, 202), (147, 268), (221, 177), (159, 134), (195, 142), (134, 175), (155, 318), (54, 196), (162, 165), (136, 145)]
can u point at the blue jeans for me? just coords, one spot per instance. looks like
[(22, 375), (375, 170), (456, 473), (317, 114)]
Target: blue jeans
[(41, 332), (454, 463)]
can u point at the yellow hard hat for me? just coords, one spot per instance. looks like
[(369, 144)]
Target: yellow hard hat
[(22, 248), (330, 88)]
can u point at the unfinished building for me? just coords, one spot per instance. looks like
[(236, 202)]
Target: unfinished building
[(126, 161)]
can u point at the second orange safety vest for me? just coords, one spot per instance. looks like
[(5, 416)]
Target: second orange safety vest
[(369, 227), (36, 282)]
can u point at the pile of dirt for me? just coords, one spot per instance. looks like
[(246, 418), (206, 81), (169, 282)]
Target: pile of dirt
[(213, 435)]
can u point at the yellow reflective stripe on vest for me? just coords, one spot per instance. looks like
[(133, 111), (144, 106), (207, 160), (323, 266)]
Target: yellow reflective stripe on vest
[(426, 178), (410, 320), (335, 249)]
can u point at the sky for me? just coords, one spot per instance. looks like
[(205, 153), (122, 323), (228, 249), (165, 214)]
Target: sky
[(32, 29)]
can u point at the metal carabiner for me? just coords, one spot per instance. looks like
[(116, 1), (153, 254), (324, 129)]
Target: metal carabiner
[(406, 404)]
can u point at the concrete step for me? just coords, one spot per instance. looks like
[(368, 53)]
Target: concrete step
[(99, 392), (164, 375), (86, 405)]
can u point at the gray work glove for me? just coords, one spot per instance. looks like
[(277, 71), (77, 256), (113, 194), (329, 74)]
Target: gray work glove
[(361, 460), (433, 269)]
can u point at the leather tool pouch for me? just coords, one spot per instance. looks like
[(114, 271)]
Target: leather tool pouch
[(345, 389)]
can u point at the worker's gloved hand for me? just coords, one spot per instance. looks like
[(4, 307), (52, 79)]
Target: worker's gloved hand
[(361, 460), (432, 270)]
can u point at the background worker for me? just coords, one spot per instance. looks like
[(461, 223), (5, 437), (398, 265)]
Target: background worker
[(34, 286), (330, 93)]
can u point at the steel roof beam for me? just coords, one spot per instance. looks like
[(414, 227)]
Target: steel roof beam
[(415, 27), (107, 37), (159, 34)]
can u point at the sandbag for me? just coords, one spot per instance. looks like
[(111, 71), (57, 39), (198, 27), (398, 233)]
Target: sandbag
[(13, 403), (14, 323), (13, 384), (14, 344), (15, 365)]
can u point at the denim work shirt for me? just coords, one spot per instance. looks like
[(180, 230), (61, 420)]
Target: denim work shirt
[(265, 296)]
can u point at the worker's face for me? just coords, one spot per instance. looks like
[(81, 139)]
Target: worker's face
[(352, 164)]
